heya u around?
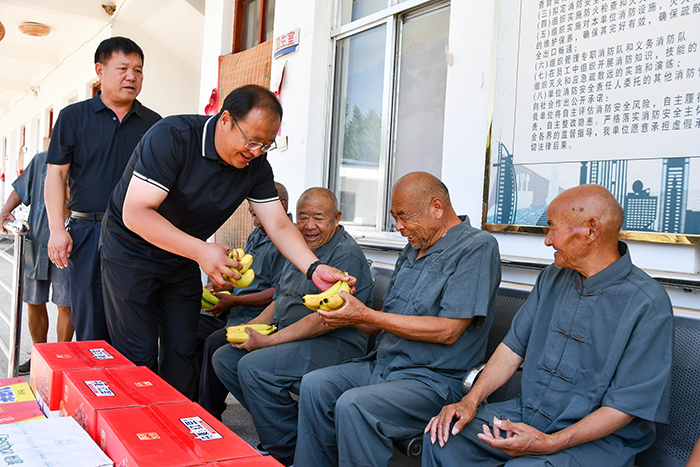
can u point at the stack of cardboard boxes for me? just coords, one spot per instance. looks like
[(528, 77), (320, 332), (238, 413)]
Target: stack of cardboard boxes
[(134, 416)]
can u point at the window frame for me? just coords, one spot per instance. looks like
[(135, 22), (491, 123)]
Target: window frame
[(393, 17), (238, 24)]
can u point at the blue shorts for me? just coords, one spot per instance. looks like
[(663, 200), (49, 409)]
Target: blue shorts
[(36, 292)]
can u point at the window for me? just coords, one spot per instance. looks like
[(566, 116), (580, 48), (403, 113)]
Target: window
[(388, 102), (254, 20)]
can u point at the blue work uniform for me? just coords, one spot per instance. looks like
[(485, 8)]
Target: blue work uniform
[(350, 414), (152, 296), (603, 342), (268, 263), (29, 187), (261, 379), (89, 136)]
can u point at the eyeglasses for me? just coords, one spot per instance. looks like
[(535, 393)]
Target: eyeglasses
[(253, 145)]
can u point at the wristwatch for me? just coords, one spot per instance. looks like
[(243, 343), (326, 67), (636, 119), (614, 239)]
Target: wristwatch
[(312, 268)]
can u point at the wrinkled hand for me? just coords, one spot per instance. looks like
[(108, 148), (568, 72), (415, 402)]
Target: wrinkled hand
[(225, 303), (325, 276), (60, 247), (213, 260), (439, 426), (5, 219), (350, 314), (255, 341), (519, 439)]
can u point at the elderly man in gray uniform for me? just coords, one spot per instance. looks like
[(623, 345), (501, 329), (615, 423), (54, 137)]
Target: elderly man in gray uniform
[(596, 339), (434, 327), (261, 372), (241, 306)]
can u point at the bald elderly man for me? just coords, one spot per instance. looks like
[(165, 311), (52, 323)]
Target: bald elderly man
[(261, 372), (434, 326), (596, 339)]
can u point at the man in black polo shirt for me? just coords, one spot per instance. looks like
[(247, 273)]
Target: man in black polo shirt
[(90, 146), (184, 180)]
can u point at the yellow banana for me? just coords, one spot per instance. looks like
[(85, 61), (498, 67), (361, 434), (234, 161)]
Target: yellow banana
[(334, 302), (324, 306), (238, 334), (209, 297), (245, 280), (246, 262), (314, 300)]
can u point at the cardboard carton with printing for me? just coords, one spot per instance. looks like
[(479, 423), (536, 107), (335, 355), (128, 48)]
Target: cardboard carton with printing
[(176, 435), (17, 402), (85, 392), (50, 361)]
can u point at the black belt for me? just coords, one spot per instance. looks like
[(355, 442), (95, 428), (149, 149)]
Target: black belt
[(93, 216)]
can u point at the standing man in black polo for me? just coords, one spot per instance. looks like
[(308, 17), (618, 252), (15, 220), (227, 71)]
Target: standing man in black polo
[(90, 146), (184, 180)]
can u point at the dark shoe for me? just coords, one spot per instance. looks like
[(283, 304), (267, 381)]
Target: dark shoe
[(25, 367)]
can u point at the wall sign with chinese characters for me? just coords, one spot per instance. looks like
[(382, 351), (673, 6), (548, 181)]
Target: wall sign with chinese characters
[(604, 91), (286, 43)]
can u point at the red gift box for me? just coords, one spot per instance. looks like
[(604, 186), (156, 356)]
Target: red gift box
[(49, 361), (176, 435), (264, 461), (87, 391), (15, 396), (22, 415)]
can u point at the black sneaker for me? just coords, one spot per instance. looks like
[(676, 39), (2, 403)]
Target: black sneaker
[(25, 367)]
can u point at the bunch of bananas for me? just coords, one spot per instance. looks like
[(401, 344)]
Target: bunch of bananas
[(238, 334), (247, 274), (328, 300), (209, 299)]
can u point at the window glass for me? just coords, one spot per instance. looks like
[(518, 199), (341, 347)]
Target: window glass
[(357, 123), (251, 24), (422, 84), (352, 10), (269, 19)]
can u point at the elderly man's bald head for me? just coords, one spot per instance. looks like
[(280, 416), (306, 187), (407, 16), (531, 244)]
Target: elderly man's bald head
[(318, 216), (421, 207), (593, 201), (584, 224), (422, 186)]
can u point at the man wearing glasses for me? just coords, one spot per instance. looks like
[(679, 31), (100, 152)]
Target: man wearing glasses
[(184, 180)]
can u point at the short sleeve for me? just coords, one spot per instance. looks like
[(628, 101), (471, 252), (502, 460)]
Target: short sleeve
[(469, 289), (63, 138), (23, 184), (264, 190), (161, 155)]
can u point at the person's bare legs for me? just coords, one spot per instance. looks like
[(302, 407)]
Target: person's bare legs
[(64, 328), (38, 322)]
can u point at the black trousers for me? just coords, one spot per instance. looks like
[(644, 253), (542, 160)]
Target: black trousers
[(207, 325), (153, 318), (87, 308), (212, 392)]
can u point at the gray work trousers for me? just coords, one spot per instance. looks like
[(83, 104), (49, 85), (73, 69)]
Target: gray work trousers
[(350, 417), (261, 381)]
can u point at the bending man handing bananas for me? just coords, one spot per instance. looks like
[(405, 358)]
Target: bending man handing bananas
[(260, 371)]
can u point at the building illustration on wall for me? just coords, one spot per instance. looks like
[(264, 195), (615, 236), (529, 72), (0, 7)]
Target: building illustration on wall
[(506, 189), (640, 208), (674, 194), (610, 174)]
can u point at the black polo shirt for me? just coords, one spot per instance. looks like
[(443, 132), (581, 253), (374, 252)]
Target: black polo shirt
[(89, 136), (178, 156)]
